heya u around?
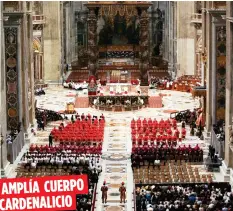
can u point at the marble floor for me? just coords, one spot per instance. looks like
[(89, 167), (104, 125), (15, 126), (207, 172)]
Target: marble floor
[(117, 144)]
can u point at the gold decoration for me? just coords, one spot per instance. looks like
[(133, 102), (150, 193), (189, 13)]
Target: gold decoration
[(111, 11)]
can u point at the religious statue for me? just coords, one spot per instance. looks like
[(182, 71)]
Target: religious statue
[(104, 190), (122, 191)]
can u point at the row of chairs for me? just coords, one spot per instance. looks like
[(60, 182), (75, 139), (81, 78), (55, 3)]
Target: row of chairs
[(171, 172)]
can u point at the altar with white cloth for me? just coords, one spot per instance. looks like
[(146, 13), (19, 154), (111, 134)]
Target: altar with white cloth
[(119, 88)]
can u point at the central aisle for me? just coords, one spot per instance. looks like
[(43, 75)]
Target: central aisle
[(116, 163)]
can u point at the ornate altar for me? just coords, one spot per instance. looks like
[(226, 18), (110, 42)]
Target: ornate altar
[(118, 103), (120, 37)]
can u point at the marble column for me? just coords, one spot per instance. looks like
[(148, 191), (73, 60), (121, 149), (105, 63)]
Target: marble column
[(229, 86), (13, 76), (207, 38), (213, 73), (30, 67), (67, 35), (92, 40), (3, 120), (52, 40), (144, 44)]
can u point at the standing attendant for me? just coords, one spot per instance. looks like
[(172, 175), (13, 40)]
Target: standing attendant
[(122, 191), (104, 190), (50, 140)]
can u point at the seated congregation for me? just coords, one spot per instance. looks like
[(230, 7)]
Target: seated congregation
[(76, 150), (184, 197), (156, 132), (82, 129), (184, 83), (158, 154)]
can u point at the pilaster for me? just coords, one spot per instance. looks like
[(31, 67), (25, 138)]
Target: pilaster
[(92, 40), (229, 90), (207, 39), (213, 74), (52, 42), (3, 118), (144, 44), (13, 70)]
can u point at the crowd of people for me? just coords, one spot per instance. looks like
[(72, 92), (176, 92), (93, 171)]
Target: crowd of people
[(159, 132), (84, 128), (43, 116), (142, 154), (74, 159), (188, 116), (162, 83), (77, 151), (76, 86), (195, 119), (70, 160), (193, 197)]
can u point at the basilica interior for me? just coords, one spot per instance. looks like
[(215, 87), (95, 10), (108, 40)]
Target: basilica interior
[(135, 94)]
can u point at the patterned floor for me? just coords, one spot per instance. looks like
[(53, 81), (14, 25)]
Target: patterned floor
[(117, 139)]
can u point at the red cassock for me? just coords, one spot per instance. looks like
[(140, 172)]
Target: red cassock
[(169, 131), (150, 121), (177, 133), (144, 121), (183, 132), (174, 122), (161, 121), (164, 138), (159, 139), (32, 148), (139, 141), (197, 147), (169, 138), (174, 138)]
